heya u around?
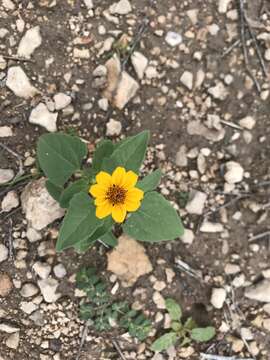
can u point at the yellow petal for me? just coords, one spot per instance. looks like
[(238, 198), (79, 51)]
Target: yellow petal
[(103, 210), (134, 195), (97, 190), (131, 179), (103, 178), (118, 176), (100, 201), (132, 205), (119, 213)]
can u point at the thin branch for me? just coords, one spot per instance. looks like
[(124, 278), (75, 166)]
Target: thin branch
[(20, 172), (257, 48), (118, 349), (227, 204), (232, 125), (83, 338), (10, 243), (16, 58), (233, 46), (218, 357), (259, 236), (181, 265)]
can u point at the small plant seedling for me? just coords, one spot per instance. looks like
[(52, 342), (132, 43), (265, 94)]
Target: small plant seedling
[(181, 332), (107, 193), (103, 313)]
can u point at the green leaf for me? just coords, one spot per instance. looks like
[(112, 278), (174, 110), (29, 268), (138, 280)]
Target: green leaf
[(203, 334), (151, 181), (109, 164), (100, 232), (80, 222), (104, 150), (54, 190), (174, 309), (60, 155), (109, 239), (81, 185), (190, 324), (156, 220), (130, 154), (176, 326), (164, 342)]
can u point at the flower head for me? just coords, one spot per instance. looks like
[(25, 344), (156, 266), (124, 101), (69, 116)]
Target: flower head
[(116, 194)]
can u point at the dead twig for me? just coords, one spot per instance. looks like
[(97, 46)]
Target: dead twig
[(20, 172), (232, 125), (243, 24), (83, 338), (219, 357), (233, 46), (257, 48), (10, 242), (181, 265), (118, 349), (259, 236), (16, 58), (227, 204)]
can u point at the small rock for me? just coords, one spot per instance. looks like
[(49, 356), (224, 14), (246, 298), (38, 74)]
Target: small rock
[(81, 53), (3, 253), (30, 41), (237, 345), (5, 284), (40, 115), (121, 87), (59, 271), (113, 127), (187, 79), (218, 92), (3, 63), (173, 38), (123, 7), (223, 6), (196, 202), (140, 63), (159, 285), (103, 104), (246, 334), (28, 307), (28, 290), (210, 227), (48, 289), (247, 122), (13, 340), (100, 71), (5, 131), (128, 260), (8, 4), (234, 172), (37, 317), (188, 237), (267, 55), (260, 291), (61, 101), (42, 269), (6, 175), (10, 201), (19, 84), (181, 159), (33, 235), (218, 297), (88, 4), (231, 269), (8, 328), (195, 127), (39, 207), (159, 300), (151, 72)]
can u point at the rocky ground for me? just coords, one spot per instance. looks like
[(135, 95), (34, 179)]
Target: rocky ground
[(196, 74)]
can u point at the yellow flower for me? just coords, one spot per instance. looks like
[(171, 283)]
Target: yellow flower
[(116, 194)]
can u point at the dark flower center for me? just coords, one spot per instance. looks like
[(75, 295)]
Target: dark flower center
[(116, 195)]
